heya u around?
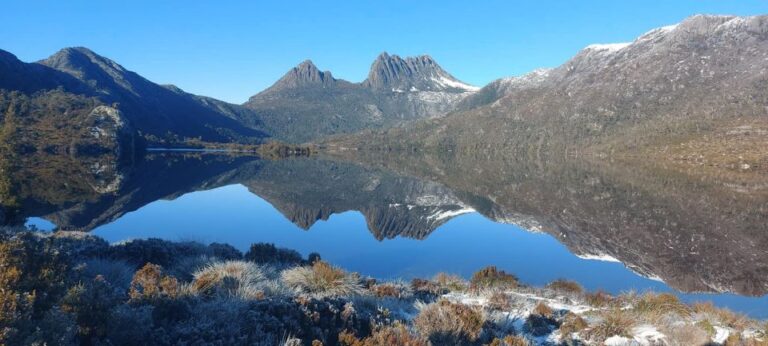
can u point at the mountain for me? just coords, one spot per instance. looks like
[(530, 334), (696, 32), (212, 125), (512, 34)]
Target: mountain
[(671, 85), (158, 113), (307, 104)]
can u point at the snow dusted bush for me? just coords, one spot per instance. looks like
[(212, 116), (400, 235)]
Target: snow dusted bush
[(241, 279), (448, 323), (322, 280)]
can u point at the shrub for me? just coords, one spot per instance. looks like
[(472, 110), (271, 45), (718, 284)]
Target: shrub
[(490, 277), (654, 306), (426, 288), (510, 340), (322, 280), (724, 316), (499, 301), (572, 323), (599, 299), (614, 322), (684, 334), (225, 252), (91, 304), (149, 283), (117, 273), (33, 278), (232, 278), (448, 323), (267, 253), (543, 310), (396, 334), (157, 251), (391, 289), (450, 282), (566, 286)]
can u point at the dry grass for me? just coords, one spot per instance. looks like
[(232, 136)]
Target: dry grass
[(396, 334), (448, 323), (654, 306), (599, 299), (566, 286), (572, 323), (543, 310), (426, 286), (397, 290), (499, 301), (723, 316), (510, 340), (240, 279), (450, 282), (684, 334), (614, 322), (322, 280), (491, 277)]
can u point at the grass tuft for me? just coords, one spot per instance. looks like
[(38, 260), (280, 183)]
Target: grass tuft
[(241, 279), (491, 277), (448, 323), (322, 280)]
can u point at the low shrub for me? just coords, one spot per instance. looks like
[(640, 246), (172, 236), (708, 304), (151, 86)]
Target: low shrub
[(614, 322), (149, 283), (117, 273), (543, 310), (426, 288), (322, 280), (499, 301), (599, 299), (448, 323), (566, 286), (510, 340), (225, 252), (391, 289), (654, 306), (450, 282), (491, 277), (157, 251), (685, 334), (541, 320), (240, 279), (268, 253), (91, 304), (572, 323), (395, 334), (724, 316)]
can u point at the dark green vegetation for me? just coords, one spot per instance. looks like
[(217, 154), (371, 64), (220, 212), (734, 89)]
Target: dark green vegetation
[(68, 288)]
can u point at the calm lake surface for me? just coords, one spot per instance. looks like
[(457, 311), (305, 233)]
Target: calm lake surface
[(604, 227)]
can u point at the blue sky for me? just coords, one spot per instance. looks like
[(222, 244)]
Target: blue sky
[(233, 49)]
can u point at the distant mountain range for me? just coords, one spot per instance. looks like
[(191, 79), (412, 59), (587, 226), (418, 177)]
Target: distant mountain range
[(649, 96), (304, 105), (707, 73)]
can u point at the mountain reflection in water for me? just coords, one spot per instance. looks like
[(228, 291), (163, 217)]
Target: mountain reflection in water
[(542, 219)]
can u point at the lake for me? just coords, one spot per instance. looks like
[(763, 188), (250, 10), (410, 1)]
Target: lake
[(605, 225)]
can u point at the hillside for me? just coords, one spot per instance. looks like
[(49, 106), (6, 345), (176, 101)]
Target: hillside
[(706, 74)]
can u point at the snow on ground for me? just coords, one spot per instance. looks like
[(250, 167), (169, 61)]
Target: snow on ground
[(721, 334), (598, 257), (449, 213), (452, 83), (608, 47)]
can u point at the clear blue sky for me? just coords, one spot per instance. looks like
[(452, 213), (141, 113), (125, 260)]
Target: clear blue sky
[(233, 49)]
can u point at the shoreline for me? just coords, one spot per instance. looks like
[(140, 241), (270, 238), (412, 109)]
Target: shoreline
[(268, 283)]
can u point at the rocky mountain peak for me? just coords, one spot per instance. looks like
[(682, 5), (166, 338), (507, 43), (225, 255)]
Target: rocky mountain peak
[(304, 74), (419, 73)]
